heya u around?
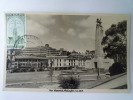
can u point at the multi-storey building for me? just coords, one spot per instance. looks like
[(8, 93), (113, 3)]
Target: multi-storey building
[(40, 51), (48, 57), (65, 62), (31, 62), (56, 62), (44, 51)]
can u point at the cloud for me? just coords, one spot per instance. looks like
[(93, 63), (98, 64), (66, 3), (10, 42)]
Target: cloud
[(42, 19), (87, 34), (82, 36), (86, 28), (71, 32), (35, 28), (62, 31), (56, 39), (83, 22)]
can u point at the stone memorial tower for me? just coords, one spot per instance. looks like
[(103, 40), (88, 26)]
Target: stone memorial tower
[(99, 55), (98, 39), (99, 61)]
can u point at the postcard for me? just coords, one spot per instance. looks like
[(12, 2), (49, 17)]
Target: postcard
[(67, 52)]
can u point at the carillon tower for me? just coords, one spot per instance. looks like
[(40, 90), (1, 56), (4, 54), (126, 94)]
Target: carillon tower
[(15, 34), (99, 61), (98, 39), (99, 55)]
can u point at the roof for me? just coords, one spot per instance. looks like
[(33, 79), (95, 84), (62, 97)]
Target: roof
[(47, 57), (29, 57)]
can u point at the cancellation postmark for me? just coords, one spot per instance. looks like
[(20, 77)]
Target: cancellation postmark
[(15, 28)]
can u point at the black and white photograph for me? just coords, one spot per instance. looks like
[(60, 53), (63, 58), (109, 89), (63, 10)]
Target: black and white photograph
[(67, 52)]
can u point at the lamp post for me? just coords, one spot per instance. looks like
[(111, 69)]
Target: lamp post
[(98, 73), (98, 70), (51, 71)]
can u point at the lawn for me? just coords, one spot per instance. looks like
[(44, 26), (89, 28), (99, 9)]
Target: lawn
[(43, 79)]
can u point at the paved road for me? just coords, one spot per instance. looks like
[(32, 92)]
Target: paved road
[(113, 83)]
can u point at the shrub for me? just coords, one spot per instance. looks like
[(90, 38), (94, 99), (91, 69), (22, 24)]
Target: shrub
[(117, 68), (69, 82)]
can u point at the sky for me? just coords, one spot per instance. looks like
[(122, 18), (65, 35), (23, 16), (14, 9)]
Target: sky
[(71, 32)]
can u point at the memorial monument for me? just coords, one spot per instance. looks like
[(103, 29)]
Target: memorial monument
[(99, 61)]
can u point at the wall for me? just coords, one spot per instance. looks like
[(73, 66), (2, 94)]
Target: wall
[(84, 6)]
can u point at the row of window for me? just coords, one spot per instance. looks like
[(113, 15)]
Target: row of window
[(58, 64), (26, 64), (28, 60), (71, 64)]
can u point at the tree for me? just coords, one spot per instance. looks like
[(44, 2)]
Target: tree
[(8, 64), (117, 68), (69, 82), (115, 42)]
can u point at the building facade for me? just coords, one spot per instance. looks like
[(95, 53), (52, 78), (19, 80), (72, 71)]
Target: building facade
[(65, 62), (43, 51), (55, 62)]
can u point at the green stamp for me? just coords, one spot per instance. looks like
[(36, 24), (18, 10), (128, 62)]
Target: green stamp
[(15, 30)]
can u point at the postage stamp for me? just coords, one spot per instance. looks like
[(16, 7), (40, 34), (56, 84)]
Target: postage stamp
[(15, 29)]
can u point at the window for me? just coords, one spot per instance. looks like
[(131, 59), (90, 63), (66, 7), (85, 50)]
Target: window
[(64, 64), (84, 63)]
